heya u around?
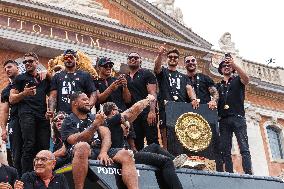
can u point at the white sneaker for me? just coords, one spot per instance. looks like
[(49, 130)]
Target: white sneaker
[(193, 165), (180, 160)]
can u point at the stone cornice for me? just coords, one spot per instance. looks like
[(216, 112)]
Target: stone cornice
[(265, 111), (172, 23), (60, 15)]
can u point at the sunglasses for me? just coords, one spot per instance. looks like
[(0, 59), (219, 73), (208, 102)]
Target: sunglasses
[(28, 61), (135, 57), (190, 61), (68, 56), (109, 65), (226, 66), (173, 57)]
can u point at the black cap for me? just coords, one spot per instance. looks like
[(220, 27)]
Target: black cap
[(220, 67), (70, 51), (104, 60)]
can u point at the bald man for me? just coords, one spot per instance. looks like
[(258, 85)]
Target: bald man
[(43, 176)]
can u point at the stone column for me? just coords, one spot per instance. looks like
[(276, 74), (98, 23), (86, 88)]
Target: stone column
[(258, 157)]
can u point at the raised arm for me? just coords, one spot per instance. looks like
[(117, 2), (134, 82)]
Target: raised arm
[(243, 75), (158, 60), (132, 113)]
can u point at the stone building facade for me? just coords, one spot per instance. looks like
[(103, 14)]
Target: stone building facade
[(114, 28)]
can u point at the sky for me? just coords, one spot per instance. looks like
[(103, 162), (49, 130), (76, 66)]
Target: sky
[(256, 26)]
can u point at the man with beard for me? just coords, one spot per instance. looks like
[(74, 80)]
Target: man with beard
[(85, 137), (11, 68), (142, 82), (111, 89), (153, 154), (43, 176), (206, 93), (232, 114), (29, 93), (173, 85), (66, 82)]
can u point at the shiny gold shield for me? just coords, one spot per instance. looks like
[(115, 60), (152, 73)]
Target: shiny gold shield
[(193, 131)]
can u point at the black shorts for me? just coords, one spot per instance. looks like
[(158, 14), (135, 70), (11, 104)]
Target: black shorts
[(94, 152)]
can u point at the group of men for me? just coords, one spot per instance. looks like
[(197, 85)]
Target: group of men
[(129, 108)]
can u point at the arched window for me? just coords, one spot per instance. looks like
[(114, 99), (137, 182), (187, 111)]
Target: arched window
[(275, 142)]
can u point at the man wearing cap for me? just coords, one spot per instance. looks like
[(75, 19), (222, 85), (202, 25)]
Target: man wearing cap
[(232, 114), (66, 82), (9, 113), (109, 88), (173, 85), (142, 82), (206, 93), (29, 93)]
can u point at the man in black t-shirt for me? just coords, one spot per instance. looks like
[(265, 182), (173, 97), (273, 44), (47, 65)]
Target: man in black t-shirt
[(85, 137), (206, 93), (153, 154), (29, 93), (66, 82), (111, 89), (8, 176), (10, 114), (173, 85), (43, 175), (142, 82), (232, 114)]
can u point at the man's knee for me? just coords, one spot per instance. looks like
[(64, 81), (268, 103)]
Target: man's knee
[(123, 156), (82, 150)]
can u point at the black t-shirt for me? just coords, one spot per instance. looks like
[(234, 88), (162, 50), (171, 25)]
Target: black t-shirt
[(235, 97), (201, 83), (117, 137), (32, 181), (32, 104), (138, 84), (115, 97), (113, 124), (8, 174), (72, 124), (67, 83), (172, 86), (5, 98)]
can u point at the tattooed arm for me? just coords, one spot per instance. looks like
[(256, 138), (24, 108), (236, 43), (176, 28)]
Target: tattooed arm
[(132, 113), (52, 103), (215, 96), (87, 134)]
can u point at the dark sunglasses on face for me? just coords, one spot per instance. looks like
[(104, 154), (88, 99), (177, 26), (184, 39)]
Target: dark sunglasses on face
[(226, 66), (190, 61), (66, 57), (173, 57), (107, 66), (28, 61), (135, 57)]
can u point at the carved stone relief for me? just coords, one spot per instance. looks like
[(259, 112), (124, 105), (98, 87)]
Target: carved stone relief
[(87, 7), (168, 7)]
